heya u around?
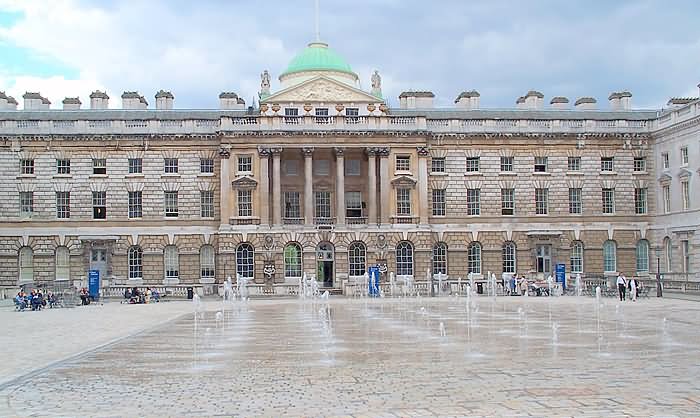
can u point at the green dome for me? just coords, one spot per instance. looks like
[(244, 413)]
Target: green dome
[(317, 56)]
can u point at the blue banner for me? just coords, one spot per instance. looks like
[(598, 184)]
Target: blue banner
[(94, 284), (373, 285), (561, 275)]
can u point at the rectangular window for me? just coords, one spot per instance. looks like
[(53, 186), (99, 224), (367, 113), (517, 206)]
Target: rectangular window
[(685, 192), (575, 203), (667, 198), (206, 203), (322, 115), (684, 156), (99, 166), (541, 201), (63, 166), (353, 204), (640, 164), (291, 205), (26, 167), (574, 164), (437, 165), (608, 200), (26, 203), (171, 165), (438, 202), (577, 258), (665, 161), (352, 115), (322, 204), (322, 168), (403, 202), (99, 205), (206, 165), (62, 205), (472, 164), (507, 164), (507, 201), (171, 204), (245, 203), (135, 166), (607, 164), (291, 111), (640, 201), (291, 167), (473, 202), (245, 164), (540, 164), (403, 163), (352, 167), (291, 116), (685, 249), (135, 205)]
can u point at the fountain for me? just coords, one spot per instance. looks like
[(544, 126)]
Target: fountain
[(392, 284), (550, 285), (365, 284), (442, 330), (440, 278), (459, 285), (470, 277), (242, 283), (597, 295), (579, 289)]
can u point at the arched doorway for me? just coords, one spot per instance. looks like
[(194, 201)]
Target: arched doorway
[(325, 256)]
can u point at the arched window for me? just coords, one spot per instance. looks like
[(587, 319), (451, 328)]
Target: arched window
[(245, 260), (292, 260), (172, 262), (26, 265), (668, 249), (206, 262), (440, 258), (577, 257), (404, 259), (509, 257), (357, 254), (62, 263), (135, 262), (474, 258), (642, 255), (609, 256)]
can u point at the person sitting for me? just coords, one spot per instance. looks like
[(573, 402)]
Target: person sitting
[(155, 296), (135, 296), (53, 301), (20, 302), (35, 302), (127, 296)]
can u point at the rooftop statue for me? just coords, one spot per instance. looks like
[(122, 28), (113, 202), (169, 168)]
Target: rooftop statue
[(264, 84), (376, 84)]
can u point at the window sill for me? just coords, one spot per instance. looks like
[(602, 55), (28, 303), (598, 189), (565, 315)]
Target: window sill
[(170, 175), (574, 173), (246, 173), (205, 175), (608, 173), (640, 173), (134, 175), (473, 173), (62, 176), (403, 173), (26, 176), (507, 173), (98, 176), (438, 173)]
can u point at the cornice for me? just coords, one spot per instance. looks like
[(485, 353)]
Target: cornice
[(690, 123)]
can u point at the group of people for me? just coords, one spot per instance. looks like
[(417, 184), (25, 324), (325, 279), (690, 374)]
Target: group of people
[(633, 285), (35, 300), (518, 285), (134, 295)]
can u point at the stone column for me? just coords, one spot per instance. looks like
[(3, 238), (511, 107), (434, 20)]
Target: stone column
[(225, 204), (264, 186), (276, 186), (423, 209), (340, 185), (372, 185), (308, 185), (384, 186)]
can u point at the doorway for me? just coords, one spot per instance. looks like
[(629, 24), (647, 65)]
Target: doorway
[(98, 261), (544, 259), (325, 256)]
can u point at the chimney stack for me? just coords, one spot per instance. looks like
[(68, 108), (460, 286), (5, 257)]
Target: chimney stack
[(11, 103), (534, 100), (620, 100), (468, 100), (99, 100), (585, 103), (416, 99), (35, 101), (132, 100), (229, 100), (3, 101), (520, 102), (71, 103), (164, 100), (559, 103)]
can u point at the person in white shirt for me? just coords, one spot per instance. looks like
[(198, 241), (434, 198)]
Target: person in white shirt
[(621, 285)]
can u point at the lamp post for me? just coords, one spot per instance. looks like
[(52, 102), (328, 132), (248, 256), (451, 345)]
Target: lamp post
[(659, 290)]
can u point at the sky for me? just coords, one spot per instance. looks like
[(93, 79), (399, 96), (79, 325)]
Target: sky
[(197, 49)]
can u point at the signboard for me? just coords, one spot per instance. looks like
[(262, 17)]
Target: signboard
[(561, 275), (94, 284), (373, 285)]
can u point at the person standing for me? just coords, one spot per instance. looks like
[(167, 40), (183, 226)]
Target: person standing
[(633, 286), (621, 285)]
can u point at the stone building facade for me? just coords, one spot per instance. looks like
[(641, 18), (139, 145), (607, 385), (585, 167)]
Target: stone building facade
[(324, 178)]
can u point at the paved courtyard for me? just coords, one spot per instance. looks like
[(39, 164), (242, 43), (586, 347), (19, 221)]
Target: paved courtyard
[(400, 357)]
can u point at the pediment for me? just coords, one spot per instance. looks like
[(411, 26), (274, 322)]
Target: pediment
[(403, 181), (244, 182), (665, 178), (684, 174), (321, 89)]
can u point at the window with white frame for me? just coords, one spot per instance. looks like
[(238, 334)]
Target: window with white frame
[(684, 156), (640, 200), (507, 202), (206, 203), (322, 204), (357, 255), (135, 165), (62, 263), (352, 167), (509, 257), (171, 209), (541, 201), (403, 202), (609, 256), (574, 164), (170, 165), (245, 202), (26, 203), (640, 164), (26, 265), (472, 164), (351, 114), (439, 202), (292, 261), (291, 205), (99, 166), (540, 164), (474, 258), (206, 262), (607, 164), (321, 167), (245, 260), (665, 161), (685, 250), (322, 115), (245, 164), (62, 205), (685, 193), (99, 205), (404, 259), (642, 255), (473, 202), (576, 258), (668, 247), (135, 260), (135, 204), (26, 167), (353, 204), (206, 165), (291, 167), (608, 196), (440, 258), (172, 262), (506, 164), (437, 165), (63, 166), (575, 202), (403, 163)]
